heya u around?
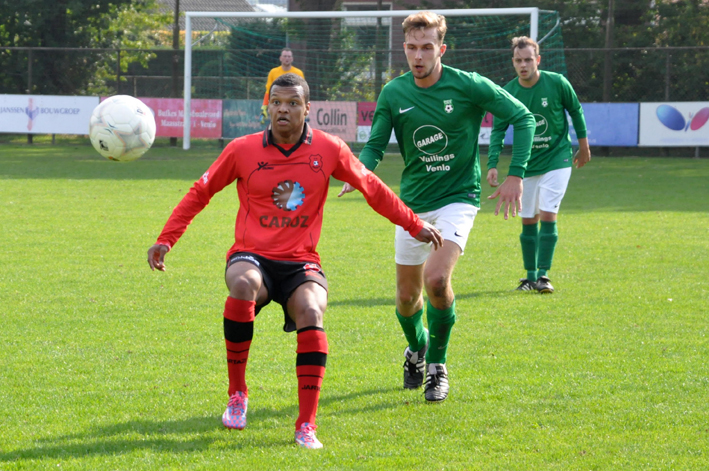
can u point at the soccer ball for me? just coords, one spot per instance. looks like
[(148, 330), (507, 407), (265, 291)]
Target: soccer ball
[(122, 128)]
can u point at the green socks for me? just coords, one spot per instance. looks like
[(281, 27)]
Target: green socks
[(528, 239), (440, 323), (538, 244), (548, 236), (413, 330)]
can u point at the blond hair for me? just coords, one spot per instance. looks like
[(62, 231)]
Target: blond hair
[(521, 42), (424, 20)]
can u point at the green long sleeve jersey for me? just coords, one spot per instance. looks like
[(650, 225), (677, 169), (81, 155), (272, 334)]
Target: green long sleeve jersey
[(547, 99), (437, 130)]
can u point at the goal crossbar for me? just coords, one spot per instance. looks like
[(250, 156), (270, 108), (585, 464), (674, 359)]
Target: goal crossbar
[(532, 12)]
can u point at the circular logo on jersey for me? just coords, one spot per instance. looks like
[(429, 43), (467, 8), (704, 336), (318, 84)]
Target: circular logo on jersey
[(430, 139), (288, 195), (542, 125)]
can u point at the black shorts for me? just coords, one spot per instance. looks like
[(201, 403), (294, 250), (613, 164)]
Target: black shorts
[(281, 279)]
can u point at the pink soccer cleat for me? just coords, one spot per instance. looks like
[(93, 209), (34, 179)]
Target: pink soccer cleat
[(235, 413), (305, 436)]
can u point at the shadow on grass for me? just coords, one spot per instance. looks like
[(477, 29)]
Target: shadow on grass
[(372, 302), (182, 436)]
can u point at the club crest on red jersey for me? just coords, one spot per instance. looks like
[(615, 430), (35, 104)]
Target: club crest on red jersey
[(315, 162)]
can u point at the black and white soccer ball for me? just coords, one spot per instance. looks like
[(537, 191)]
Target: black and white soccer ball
[(122, 128)]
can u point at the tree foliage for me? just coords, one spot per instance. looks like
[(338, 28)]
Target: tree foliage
[(133, 28), (70, 24), (649, 73)]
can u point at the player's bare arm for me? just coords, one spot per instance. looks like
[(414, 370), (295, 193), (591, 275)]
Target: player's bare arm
[(431, 235), (510, 193), (156, 256), (492, 177), (583, 156)]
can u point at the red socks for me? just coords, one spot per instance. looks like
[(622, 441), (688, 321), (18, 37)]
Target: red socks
[(310, 368), (310, 360), (238, 332)]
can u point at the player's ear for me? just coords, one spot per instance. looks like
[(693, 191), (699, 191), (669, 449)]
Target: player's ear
[(443, 48), (307, 108), (539, 59)]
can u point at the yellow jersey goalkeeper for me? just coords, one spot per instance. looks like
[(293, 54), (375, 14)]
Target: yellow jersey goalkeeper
[(286, 67)]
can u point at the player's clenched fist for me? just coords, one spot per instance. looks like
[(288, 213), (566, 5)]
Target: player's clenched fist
[(156, 256)]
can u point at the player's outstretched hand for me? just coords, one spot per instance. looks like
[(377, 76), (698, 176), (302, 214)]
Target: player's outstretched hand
[(346, 188), (492, 177), (582, 157), (510, 193), (156, 256), (430, 234)]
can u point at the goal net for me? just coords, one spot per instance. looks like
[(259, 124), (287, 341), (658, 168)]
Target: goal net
[(347, 56)]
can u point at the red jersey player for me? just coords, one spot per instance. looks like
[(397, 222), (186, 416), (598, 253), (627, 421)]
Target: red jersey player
[(282, 177)]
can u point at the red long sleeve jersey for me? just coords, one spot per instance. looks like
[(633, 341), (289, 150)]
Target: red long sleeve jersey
[(282, 190)]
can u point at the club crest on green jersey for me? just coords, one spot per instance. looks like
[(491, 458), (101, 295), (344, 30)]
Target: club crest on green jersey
[(448, 106), (545, 102)]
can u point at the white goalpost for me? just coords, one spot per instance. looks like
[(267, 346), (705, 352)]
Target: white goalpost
[(532, 13)]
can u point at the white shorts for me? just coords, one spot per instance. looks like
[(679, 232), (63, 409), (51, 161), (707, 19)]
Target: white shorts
[(544, 192), (454, 221)]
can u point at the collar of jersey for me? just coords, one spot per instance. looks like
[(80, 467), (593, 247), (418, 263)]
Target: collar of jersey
[(306, 137)]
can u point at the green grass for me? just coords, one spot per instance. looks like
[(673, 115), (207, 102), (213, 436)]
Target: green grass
[(107, 365)]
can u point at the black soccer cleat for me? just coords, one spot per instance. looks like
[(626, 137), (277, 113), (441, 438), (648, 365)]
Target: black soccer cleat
[(436, 383), (414, 367), (543, 285), (525, 285)]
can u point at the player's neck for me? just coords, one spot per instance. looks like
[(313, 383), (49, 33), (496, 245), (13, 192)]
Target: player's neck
[(286, 67), (432, 78), (532, 81), (281, 138)]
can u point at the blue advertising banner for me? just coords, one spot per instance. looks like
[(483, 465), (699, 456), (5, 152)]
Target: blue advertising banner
[(607, 124), (241, 117)]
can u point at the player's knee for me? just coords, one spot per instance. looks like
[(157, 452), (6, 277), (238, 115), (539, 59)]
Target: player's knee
[(243, 287), (437, 285), (309, 316), (407, 296)]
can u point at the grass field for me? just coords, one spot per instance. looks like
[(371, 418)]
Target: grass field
[(107, 365)]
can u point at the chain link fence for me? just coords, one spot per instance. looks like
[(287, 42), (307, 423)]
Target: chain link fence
[(636, 74)]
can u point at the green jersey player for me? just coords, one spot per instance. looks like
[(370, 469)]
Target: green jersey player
[(547, 95), (436, 112)]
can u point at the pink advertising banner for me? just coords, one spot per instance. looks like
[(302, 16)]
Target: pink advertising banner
[(365, 113), (169, 112)]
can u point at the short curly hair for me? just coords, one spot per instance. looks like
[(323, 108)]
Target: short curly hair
[(292, 80)]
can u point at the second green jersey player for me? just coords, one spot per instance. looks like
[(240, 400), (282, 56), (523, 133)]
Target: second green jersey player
[(549, 96), (436, 112)]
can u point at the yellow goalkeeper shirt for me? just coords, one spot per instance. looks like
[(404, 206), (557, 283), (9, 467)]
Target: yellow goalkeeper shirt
[(277, 72)]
